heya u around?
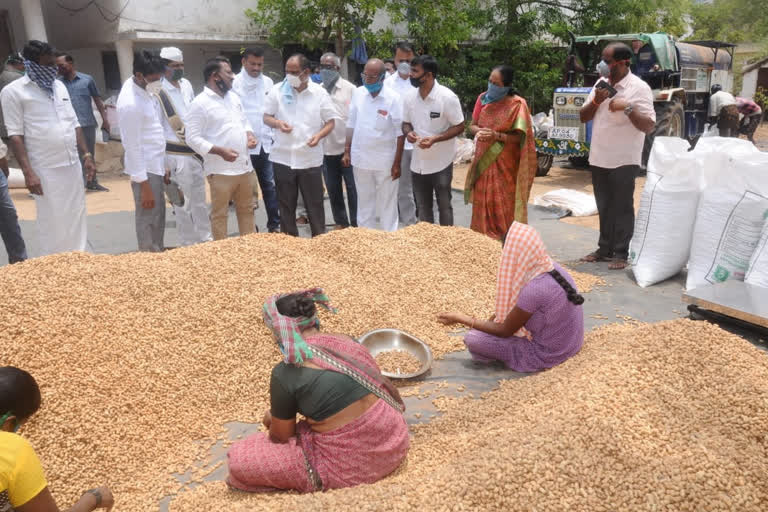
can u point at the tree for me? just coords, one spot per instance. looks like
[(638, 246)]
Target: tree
[(313, 23), (733, 21)]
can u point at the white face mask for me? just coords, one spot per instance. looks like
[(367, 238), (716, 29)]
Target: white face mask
[(154, 87), (293, 80), (404, 68)]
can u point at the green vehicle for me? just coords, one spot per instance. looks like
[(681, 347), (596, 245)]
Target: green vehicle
[(679, 73)]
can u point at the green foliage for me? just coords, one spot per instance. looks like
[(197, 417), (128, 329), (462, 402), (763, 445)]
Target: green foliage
[(761, 98), (734, 21)]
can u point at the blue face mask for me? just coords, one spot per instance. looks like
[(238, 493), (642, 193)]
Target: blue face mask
[(494, 93), (375, 87)]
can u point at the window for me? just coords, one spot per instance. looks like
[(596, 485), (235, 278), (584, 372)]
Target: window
[(111, 71)]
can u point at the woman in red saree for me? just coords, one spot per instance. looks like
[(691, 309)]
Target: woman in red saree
[(354, 432), (501, 175)]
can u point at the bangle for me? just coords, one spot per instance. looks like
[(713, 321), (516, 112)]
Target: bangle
[(96, 493), (88, 155)]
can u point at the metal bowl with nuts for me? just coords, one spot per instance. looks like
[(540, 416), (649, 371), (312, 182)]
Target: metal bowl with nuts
[(380, 341)]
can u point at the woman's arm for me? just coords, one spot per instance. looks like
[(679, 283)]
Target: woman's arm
[(514, 321), (44, 502), (280, 431)]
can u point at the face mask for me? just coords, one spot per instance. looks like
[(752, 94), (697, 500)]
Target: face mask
[(416, 82), (375, 87), (404, 68), (328, 76), (494, 93), (223, 86), (154, 87), (177, 75), (604, 69), (294, 80)]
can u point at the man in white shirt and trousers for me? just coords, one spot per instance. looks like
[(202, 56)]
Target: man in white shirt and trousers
[(218, 129), (141, 132), (400, 82), (252, 85), (336, 171), (186, 168), (432, 119), (45, 134), (375, 147), (302, 114)]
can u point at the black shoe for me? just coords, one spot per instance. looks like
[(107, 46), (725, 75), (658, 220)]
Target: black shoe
[(96, 187)]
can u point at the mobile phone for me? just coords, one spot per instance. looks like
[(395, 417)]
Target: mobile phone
[(605, 85)]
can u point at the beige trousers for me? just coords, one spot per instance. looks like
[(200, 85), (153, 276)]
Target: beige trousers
[(226, 188)]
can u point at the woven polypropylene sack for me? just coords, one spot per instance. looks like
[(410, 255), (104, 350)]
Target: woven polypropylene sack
[(757, 273), (664, 223), (730, 218)]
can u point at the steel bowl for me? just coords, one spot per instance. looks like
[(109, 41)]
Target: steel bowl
[(384, 340)]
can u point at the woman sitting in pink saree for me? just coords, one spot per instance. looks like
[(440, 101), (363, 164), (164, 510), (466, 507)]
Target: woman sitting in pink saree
[(354, 432)]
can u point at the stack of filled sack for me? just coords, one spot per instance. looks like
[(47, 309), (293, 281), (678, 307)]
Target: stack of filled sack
[(706, 208)]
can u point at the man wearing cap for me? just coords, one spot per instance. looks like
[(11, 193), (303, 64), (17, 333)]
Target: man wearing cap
[(13, 70), (45, 137), (186, 169)]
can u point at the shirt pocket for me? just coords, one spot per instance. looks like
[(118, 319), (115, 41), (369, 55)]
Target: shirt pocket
[(382, 122), (65, 111)]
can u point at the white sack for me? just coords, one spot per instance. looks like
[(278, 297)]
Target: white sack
[(731, 213), (757, 273), (16, 178), (664, 223), (580, 204), (465, 150)]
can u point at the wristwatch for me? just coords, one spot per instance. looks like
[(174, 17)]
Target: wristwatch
[(628, 109)]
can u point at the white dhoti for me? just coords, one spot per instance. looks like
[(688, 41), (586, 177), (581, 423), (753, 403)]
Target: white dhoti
[(61, 214), (376, 197), (193, 219)]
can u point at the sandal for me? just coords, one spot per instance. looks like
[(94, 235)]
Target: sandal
[(618, 264), (594, 257)]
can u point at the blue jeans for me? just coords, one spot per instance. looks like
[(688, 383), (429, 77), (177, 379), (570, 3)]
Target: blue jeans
[(266, 176), (334, 173), (9, 225)]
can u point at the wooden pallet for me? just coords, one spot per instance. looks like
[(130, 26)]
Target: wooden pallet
[(734, 299)]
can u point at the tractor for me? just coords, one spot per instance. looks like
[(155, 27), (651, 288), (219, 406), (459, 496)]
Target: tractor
[(679, 73)]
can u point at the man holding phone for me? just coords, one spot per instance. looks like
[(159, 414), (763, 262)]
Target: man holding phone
[(621, 108)]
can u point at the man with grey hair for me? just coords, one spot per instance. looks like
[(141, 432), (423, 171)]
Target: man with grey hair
[(335, 169), (375, 147)]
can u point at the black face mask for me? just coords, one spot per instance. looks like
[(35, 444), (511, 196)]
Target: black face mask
[(223, 86), (416, 82)]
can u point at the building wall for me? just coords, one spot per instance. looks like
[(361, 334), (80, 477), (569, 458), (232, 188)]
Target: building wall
[(193, 16), (749, 84)]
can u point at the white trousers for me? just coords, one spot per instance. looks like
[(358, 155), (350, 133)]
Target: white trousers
[(193, 221), (376, 197), (61, 215)]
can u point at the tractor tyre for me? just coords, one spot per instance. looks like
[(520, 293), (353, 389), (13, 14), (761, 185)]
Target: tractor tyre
[(670, 122), (543, 163)]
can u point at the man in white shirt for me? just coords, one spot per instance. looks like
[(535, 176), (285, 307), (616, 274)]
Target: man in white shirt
[(334, 169), (45, 136), (620, 123), (432, 119), (252, 85), (375, 147), (302, 115), (218, 129), (141, 132), (400, 82), (723, 111), (185, 167)]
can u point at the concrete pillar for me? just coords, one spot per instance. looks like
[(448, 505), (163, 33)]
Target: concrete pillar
[(124, 49), (34, 24)]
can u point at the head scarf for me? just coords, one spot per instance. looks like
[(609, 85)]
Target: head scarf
[(43, 76), (524, 257), (287, 330)]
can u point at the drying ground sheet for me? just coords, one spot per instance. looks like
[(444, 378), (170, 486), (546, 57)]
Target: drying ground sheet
[(142, 358), (668, 416)]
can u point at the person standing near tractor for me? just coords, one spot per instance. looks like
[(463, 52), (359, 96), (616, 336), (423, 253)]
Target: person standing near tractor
[(621, 108), (723, 110)]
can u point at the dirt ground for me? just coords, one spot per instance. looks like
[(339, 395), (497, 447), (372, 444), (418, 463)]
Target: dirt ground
[(120, 197)]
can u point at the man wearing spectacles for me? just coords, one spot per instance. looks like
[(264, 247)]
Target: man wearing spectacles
[(335, 168)]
